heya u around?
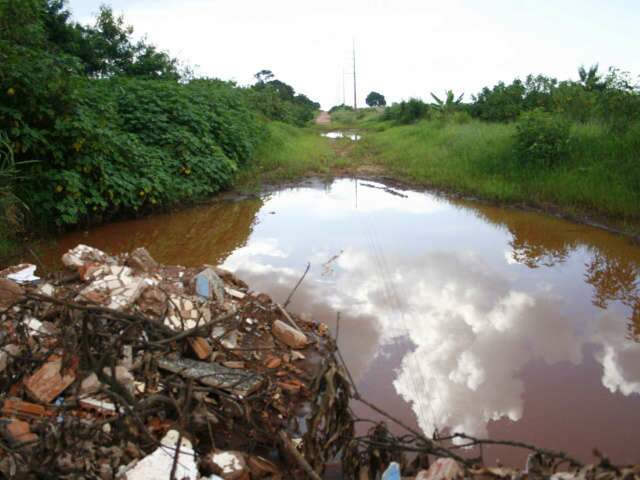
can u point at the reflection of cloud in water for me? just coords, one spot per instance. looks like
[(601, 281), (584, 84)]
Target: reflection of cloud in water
[(334, 203), (620, 358), (473, 330), (256, 257), (472, 334)]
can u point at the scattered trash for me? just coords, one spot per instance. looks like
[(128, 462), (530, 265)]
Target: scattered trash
[(25, 275)]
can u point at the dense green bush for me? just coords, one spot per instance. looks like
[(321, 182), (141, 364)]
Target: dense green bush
[(133, 145), (542, 139)]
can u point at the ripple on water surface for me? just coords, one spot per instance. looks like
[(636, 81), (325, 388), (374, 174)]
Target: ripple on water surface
[(454, 315)]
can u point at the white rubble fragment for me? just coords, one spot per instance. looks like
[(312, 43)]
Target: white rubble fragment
[(442, 469), (98, 404), (25, 275), (186, 312), (235, 293), (47, 289), (158, 465), (119, 282), (296, 355), (82, 255), (232, 464), (34, 325)]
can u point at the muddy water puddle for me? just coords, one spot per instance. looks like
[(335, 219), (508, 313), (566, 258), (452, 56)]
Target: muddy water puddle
[(337, 135), (454, 316)]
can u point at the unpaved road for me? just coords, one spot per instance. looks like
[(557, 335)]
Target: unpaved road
[(323, 119)]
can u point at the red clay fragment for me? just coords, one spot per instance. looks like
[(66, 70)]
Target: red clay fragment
[(20, 408), (17, 431), (47, 382)]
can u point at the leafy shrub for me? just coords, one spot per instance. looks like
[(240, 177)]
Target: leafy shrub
[(407, 112), (542, 139)]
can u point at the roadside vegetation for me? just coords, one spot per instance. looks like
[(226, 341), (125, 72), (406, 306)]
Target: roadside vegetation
[(568, 145), (95, 125)]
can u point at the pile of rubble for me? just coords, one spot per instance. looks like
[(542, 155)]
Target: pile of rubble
[(119, 367)]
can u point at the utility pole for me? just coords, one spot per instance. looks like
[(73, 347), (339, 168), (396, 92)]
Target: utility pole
[(355, 101)]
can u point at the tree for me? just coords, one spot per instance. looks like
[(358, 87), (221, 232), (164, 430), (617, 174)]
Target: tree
[(264, 76), (375, 99)]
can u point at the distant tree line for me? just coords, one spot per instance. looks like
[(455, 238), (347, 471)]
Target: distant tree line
[(613, 98)]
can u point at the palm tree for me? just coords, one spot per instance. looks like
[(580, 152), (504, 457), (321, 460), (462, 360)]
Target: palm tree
[(449, 105)]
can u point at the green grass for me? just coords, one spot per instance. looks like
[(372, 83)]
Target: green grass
[(363, 119), (601, 176), (288, 153)]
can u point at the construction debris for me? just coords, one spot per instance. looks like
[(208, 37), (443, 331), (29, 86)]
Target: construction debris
[(125, 368)]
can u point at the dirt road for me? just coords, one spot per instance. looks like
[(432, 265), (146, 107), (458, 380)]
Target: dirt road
[(323, 119)]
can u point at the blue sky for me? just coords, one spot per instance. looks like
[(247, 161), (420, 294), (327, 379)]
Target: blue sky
[(404, 47)]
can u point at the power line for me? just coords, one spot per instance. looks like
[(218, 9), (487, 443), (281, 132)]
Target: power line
[(355, 101)]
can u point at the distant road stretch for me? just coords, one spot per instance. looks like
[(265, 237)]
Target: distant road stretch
[(323, 119)]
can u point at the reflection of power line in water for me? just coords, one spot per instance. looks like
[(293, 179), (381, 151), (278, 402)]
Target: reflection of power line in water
[(391, 299)]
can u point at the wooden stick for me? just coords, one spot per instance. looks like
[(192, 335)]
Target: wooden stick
[(290, 447)]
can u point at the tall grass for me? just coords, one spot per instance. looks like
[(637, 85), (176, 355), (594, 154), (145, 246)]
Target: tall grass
[(364, 118), (288, 153), (9, 203), (600, 175)]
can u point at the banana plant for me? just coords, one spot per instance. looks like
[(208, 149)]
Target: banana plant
[(448, 105)]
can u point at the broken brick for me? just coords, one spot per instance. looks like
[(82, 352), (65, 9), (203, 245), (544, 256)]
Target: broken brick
[(200, 347), (18, 431), (15, 406), (48, 381)]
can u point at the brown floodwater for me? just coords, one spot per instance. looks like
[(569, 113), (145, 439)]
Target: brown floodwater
[(455, 316)]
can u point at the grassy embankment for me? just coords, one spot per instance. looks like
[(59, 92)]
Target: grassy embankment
[(599, 178), (289, 153)]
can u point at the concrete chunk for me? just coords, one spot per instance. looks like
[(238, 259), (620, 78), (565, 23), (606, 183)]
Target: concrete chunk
[(141, 259)]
